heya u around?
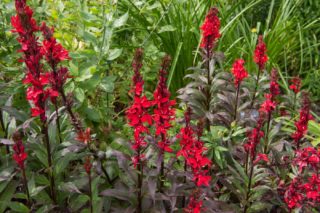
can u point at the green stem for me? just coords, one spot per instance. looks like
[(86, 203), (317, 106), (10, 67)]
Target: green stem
[(50, 165), (25, 182), (266, 142), (255, 89)]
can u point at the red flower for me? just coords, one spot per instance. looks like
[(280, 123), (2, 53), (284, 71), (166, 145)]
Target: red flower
[(239, 72), (302, 123), (195, 203), (163, 111), (268, 105), (137, 114), (274, 86), (84, 136), (19, 154), (254, 136), (295, 84), (261, 157), (260, 56), (192, 149), (210, 29)]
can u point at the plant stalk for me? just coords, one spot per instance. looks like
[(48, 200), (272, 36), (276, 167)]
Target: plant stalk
[(90, 192), (49, 157), (25, 182), (249, 187), (266, 143), (236, 105), (4, 129), (140, 180), (255, 89), (58, 122), (208, 51)]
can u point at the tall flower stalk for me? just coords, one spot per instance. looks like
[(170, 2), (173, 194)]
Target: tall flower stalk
[(240, 73), (295, 86), (164, 113), (270, 104), (138, 115), (210, 34), (260, 58), (192, 149), (37, 80)]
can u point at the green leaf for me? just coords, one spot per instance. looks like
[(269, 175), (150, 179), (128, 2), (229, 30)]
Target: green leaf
[(18, 207), (114, 53), (79, 93), (167, 28), (107, 84), (86, 73), (121, 21)]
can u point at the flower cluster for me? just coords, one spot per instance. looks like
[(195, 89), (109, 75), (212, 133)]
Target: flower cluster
[(302, 124), (295, 85), (84, 136), (239, 72), (163, 111), (304, 189), (274, 85), (260, 56), (210, 29), (254, 137), (19, 153), (192, 149), (26, 27), (54, 53), (268, 105), (195, 204), (137, 114)]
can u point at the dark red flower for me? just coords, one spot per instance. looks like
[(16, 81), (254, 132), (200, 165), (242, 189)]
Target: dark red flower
[(137, 114), (19, 154), (261, 157), (192, 149), (195, 203), (84, 136), (210, 29), (268, 105), (274, 86), (260, 56), (295, 84), (239, 72), (302, 123), (163, 112)]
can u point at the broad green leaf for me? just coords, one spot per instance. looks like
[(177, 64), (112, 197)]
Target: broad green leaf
[(18, 207), (121, 21)]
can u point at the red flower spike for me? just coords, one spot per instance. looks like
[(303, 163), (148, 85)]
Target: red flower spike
[(295, 84), (268, 105), (137, 114), (19, 155), (210, 29), (302, 123), (274, 86), (239, 72), (164, 112), (84, 136), (260, 56), (261, 157), (192, 149), (26, 27), (195, 203)]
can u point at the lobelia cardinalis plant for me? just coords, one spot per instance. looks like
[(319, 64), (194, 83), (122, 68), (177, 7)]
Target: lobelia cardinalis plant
[(38, 91)]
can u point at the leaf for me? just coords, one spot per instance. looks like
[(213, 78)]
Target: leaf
[(121, 21), (86, 73), (18, 207), (117, 193), (167, 28), (6, 141), (79, 93), (6, 196), (107, 84), (69, 187), (114, 53)]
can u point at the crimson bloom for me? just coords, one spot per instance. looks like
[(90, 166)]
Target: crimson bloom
[(268, 105), (260, 56), (19, 155), (210, 29), (274, 85), (84, 136), (302, 124), (239, 72), (87, 165), (137, 113), (295, 85), (163, 111)]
